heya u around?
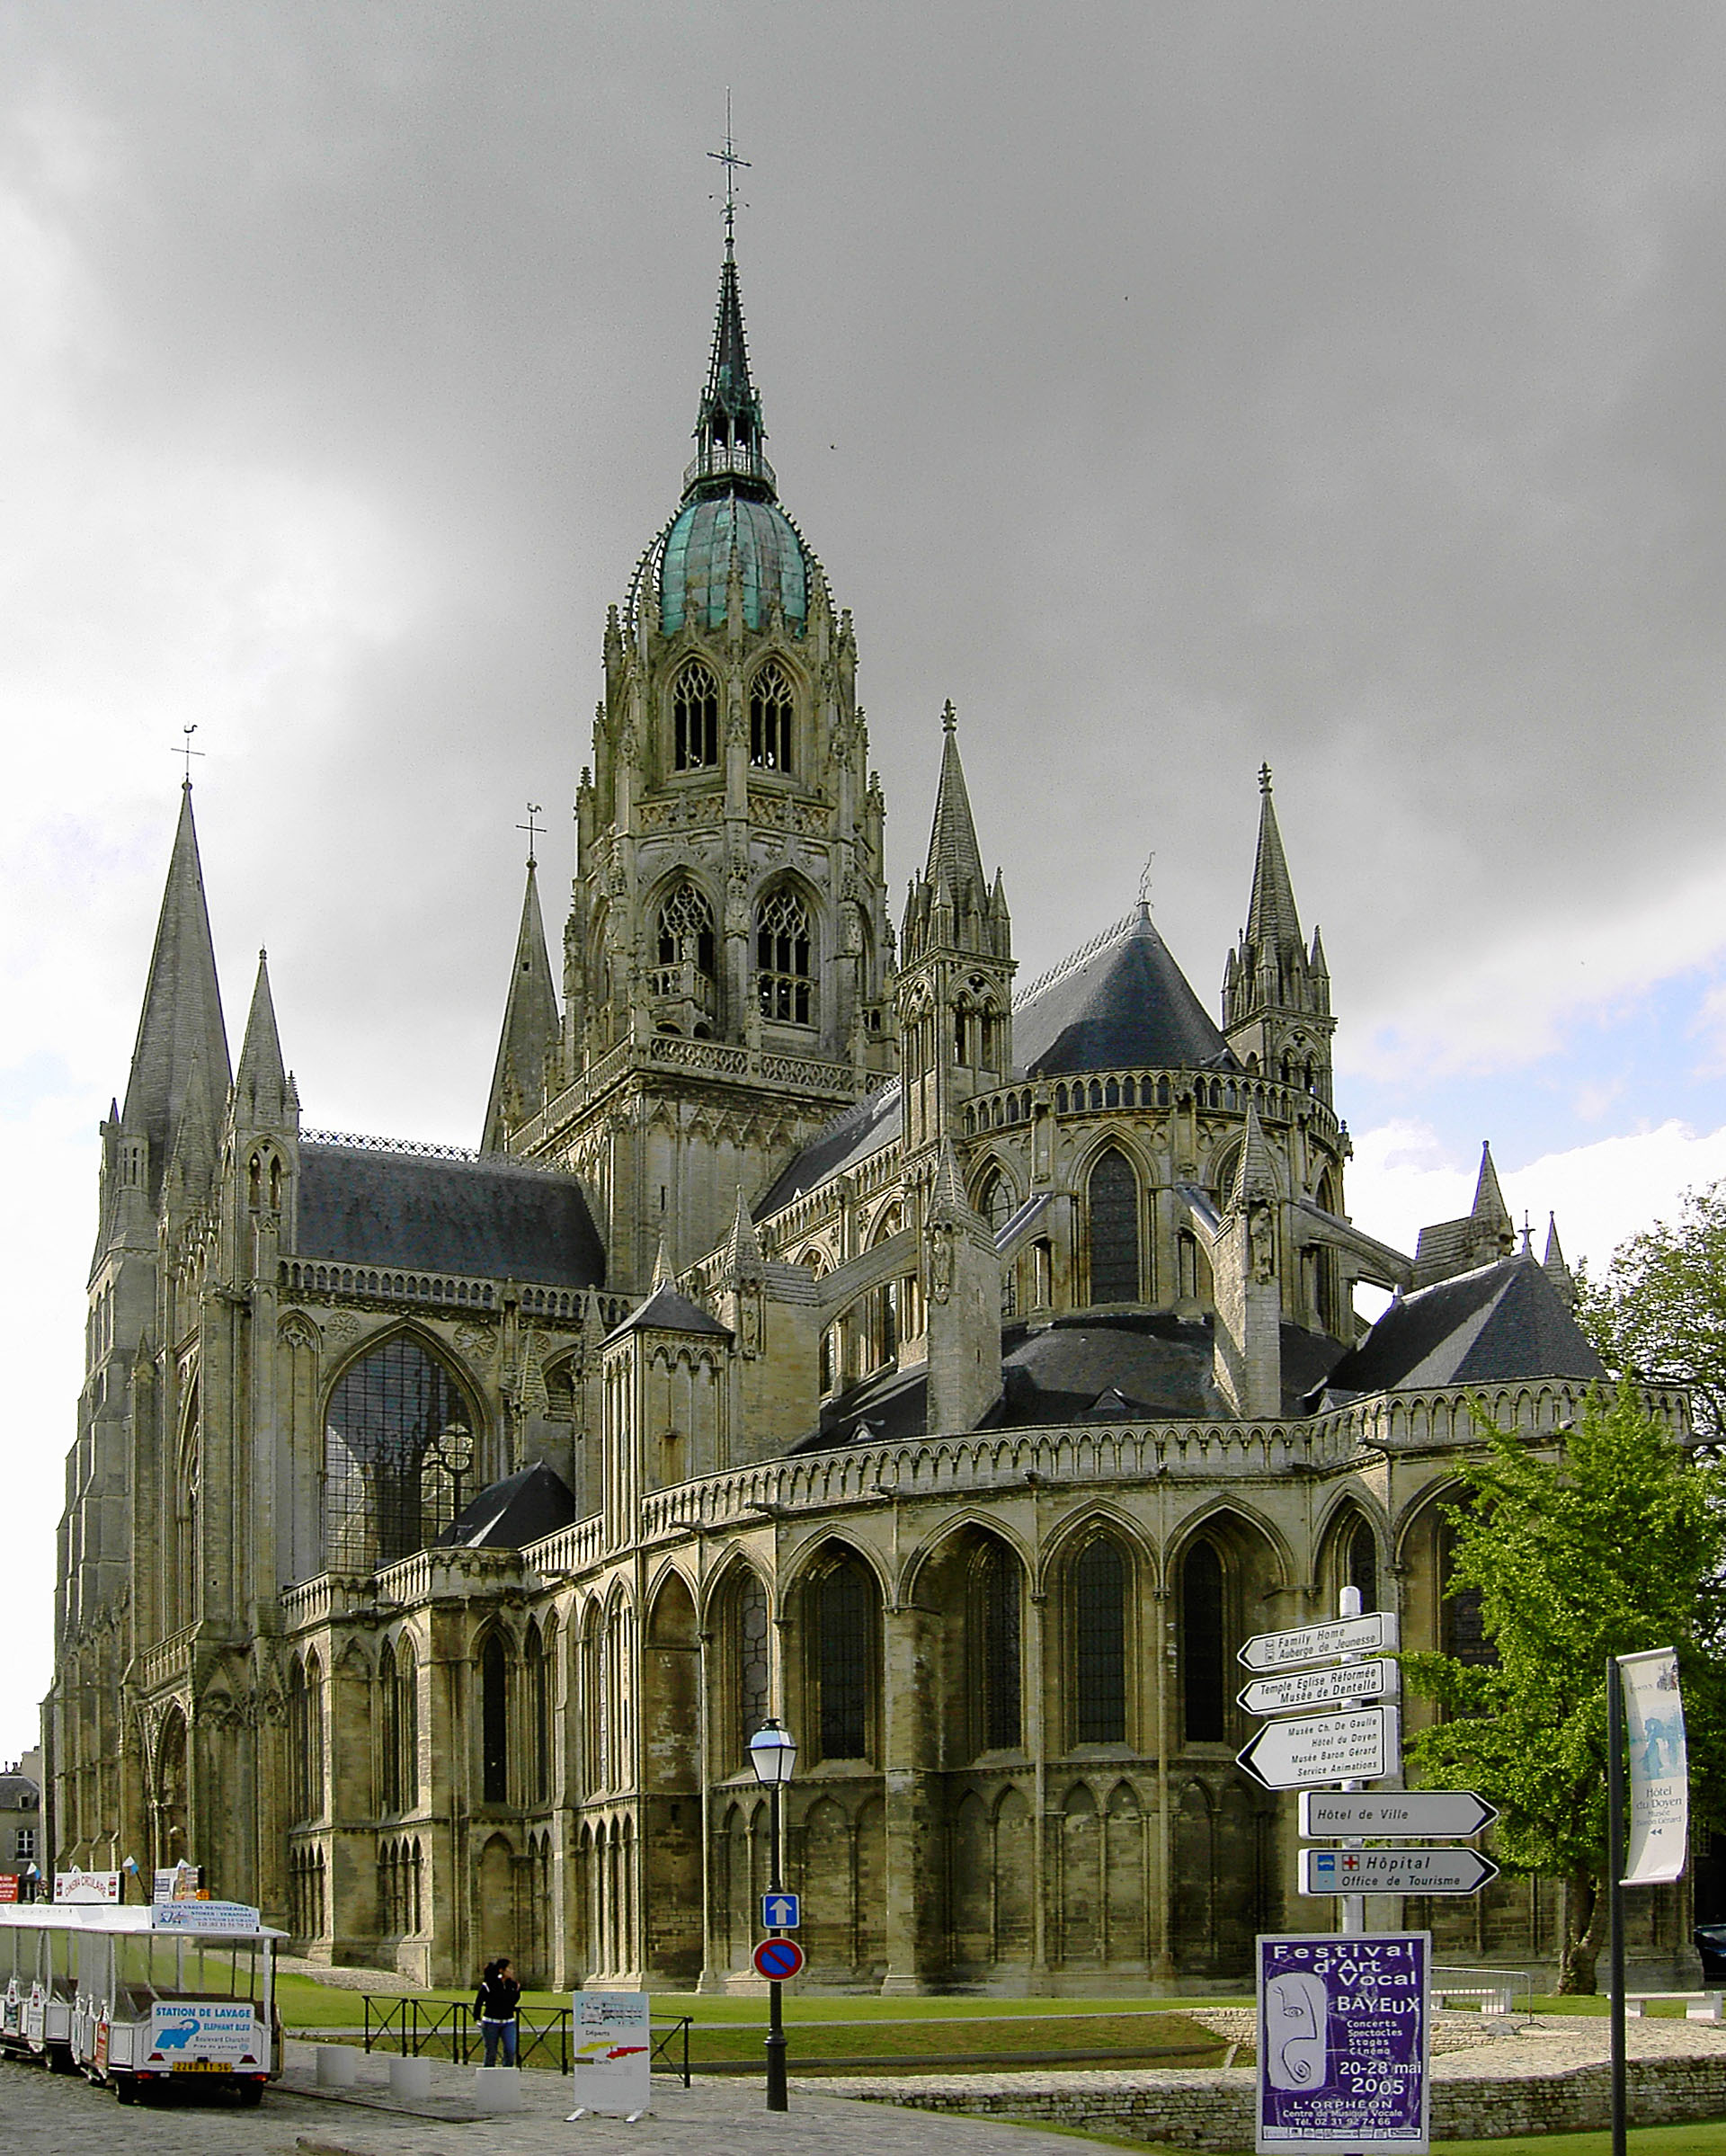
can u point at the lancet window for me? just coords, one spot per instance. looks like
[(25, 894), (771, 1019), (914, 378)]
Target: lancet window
[(1203, 1649), (695, 718), (996, 1675), (398, 1681), (784, 959), (843, 1643), (1113, 1206), (770, 719), (749, 1613), (494, 1721), (1099, 1643)]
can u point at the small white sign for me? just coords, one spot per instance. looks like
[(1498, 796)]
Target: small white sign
[(614, 2050), (1320, 1688), (86, 1886), (204, 1915), (1447, 1813), (184, 2030), (1439, 1871), (1351, 1747), (1375, 1635)]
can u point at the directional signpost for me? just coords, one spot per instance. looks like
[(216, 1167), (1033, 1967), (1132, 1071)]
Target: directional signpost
[(1442, 1815), (1417, 1871), (1358, 1746), (1320, 1688), (1375, 1635)]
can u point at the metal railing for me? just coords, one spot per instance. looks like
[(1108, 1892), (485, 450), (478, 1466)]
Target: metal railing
[(446, 2029)]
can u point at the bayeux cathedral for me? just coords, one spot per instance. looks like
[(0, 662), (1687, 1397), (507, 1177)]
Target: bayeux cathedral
[(826, 1327)]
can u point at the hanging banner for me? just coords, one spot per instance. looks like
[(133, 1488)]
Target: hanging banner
[(614, 2049), (1659, 1770)]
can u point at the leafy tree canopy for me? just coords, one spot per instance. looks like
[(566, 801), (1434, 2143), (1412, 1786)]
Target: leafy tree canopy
[(1613, 1545), (1659, 1311)]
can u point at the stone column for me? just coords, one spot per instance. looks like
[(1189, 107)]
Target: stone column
[(915, 1867)]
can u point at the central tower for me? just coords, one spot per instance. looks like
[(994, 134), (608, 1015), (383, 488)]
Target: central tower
[(728, 967)]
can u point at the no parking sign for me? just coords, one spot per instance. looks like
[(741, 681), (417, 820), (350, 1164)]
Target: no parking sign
[(777, 1959)]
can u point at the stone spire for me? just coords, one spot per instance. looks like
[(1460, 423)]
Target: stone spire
[(741, 1260), (1276, 991), (953, 905), (1272, 916), (1494, 1230), (1255, 1173), (1553, 1264), (264, 1095), (531, 1029), (729, 434), (180, 1026)]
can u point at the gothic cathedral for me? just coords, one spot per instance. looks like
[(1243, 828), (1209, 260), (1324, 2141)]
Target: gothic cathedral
[(823, 1328)]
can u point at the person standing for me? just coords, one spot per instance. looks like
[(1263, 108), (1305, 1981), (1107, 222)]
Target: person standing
[(497, 2003)]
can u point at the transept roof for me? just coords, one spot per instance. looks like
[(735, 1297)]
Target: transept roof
[(1122, 1003)]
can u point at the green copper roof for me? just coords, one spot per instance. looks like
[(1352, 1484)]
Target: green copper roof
[(695, 564)]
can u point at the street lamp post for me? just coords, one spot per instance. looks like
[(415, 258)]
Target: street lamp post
[(773, 1753)]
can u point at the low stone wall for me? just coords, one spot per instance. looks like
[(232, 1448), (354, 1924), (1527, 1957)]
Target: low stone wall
[(1214, 2110)]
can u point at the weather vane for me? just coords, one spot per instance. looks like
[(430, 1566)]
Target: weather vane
[(733, 164), (532, 828), (1145, 879), (188, 752)]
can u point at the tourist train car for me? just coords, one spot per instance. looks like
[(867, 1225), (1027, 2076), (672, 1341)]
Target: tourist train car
[(141, 1997)]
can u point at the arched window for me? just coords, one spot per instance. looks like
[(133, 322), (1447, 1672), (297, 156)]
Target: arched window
[(695, 718), (997, 1198), (750, 1661), (399, 1451), (784, 959), (1463, 1622), (537, 1673), (1113, 1206), (1203, 1646), (306, 1739), (1099, 1643), (494, 1721), (996, 1678), (770, 719), (1360, 1561), (686, 931), (843, 1643)]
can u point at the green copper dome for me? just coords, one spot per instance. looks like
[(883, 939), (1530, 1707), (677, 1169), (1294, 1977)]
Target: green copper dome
[(705, 536)]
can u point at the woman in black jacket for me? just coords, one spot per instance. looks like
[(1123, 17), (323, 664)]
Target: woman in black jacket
[(497, 2003)]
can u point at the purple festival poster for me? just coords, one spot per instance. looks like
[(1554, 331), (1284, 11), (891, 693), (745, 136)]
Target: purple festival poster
[(1342, 2042)]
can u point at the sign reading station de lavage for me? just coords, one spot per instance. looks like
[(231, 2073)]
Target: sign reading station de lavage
[(1342, 2043)]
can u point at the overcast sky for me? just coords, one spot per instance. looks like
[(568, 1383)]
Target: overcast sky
[(1173, 387)]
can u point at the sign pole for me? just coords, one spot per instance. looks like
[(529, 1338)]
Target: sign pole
[(776, 2092), (1615, 1870), (1354, 1906)]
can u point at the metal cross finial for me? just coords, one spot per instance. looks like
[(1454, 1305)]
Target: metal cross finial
[(532, 829), (188, 752), (733, 164), (1264, 778)]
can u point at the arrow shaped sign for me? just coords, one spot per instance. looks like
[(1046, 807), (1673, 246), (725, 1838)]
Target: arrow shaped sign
[(1394, 1871), (1321, 1642), (1447, 1813), (779, 1913), (1303, 1752), (1320, 1688)]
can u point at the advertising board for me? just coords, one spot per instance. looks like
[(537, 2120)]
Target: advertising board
[(1342, 2043), (183, 2031), (614, 2049)]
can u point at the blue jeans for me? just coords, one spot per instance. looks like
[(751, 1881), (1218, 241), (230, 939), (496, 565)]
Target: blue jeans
[(494, 2033)]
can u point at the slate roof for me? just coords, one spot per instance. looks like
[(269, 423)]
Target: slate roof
[(535, 1500), (18, 1792), (1123, 1002), (1503, 1321), (1138, 1367), (491, 1218), (667, 1311), (862, 1130)]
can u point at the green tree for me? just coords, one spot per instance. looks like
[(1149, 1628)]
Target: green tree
[(1613, 1545), (1659, 1311)]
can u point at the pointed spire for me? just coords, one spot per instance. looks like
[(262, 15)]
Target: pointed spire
[(531, 1028), (663, 1277), (947, 1197), (1488, 1200), (744, 1260), (181, 1025), (197, 1137), (1554, 1260), (1255, 1173), (953, 852), (1273, 920), (728, 429), (262, 1090)]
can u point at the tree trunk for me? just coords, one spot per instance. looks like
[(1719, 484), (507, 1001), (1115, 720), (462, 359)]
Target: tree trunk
[(1585, 1914)]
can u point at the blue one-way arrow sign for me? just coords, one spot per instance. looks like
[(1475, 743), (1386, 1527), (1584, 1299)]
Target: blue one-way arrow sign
[(781, 1912)]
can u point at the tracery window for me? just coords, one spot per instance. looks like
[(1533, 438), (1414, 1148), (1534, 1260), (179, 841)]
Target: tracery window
[(1203, 1647), (686, 931), (997, 1674), (1099, 1643), (396, 1423), (1362, 1565), (784, 959), (1113, 1210), (1464, 1621), (753, 1675), (997, 1198), (695, 718), (770, 719), (844, 1618), (494, 1721)]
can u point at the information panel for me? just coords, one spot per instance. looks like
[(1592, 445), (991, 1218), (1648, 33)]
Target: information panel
[(614, 2050), (1342, 2043)]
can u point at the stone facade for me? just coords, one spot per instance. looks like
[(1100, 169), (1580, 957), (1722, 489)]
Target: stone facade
[(820, 1332)]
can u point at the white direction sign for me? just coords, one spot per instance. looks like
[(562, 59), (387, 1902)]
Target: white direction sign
[(1447, 1813), (1358, 1746), (1375, 1635), (1320, 1688), (1394, 1871)]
